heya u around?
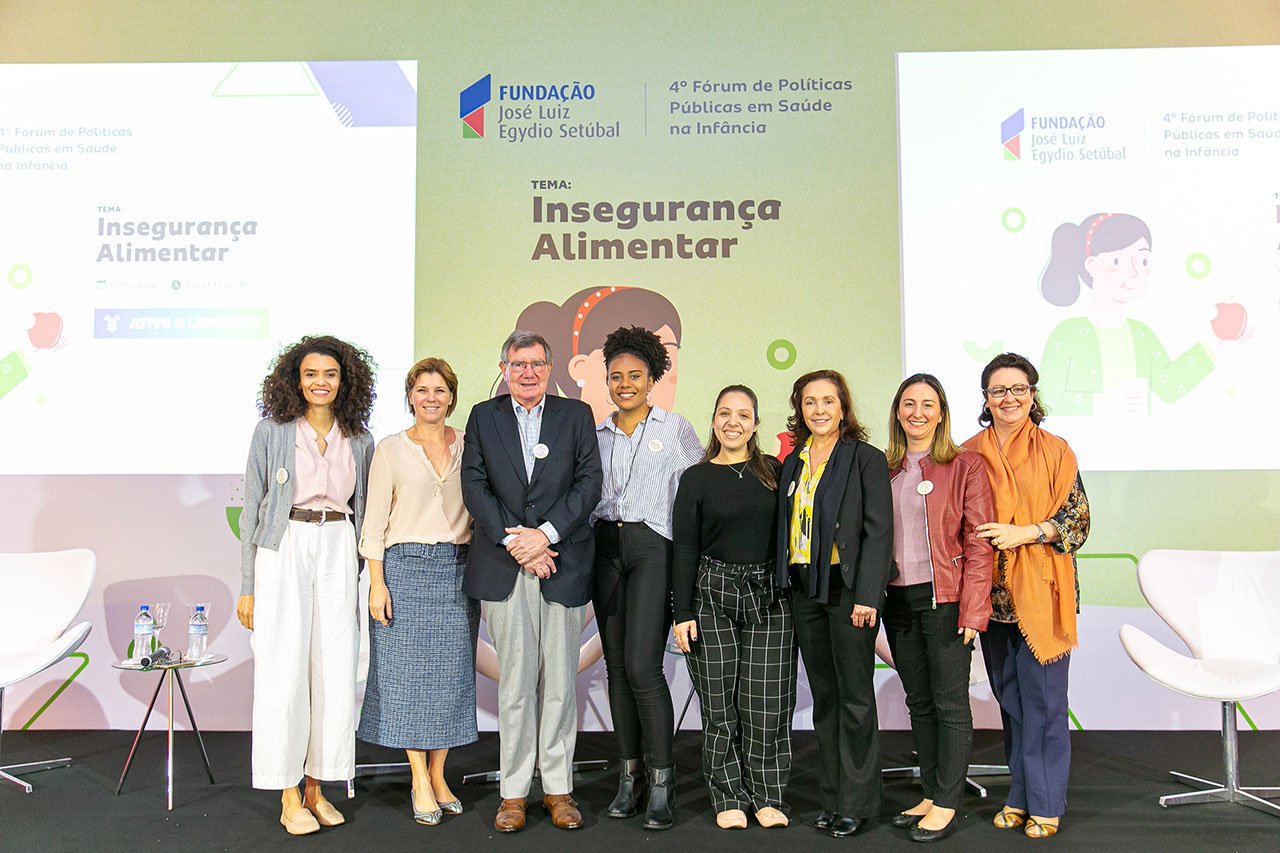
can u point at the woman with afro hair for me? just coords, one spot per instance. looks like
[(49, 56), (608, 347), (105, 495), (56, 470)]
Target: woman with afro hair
[(304, 498), (644, 450)]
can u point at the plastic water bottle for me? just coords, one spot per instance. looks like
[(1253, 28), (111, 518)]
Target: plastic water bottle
[(197, 634), (144, 633)]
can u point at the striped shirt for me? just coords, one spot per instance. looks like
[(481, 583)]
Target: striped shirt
[(642, 470), (529, 422)]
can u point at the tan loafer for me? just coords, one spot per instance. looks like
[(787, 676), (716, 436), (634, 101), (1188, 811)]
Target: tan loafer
[(325, 813), (563, 810), (299, 822), (510, 816), (771, 818), (731, 819)]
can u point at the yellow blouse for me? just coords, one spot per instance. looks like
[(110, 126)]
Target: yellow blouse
[(802, 511)]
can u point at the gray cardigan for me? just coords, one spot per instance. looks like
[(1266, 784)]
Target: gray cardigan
[(267, 501)]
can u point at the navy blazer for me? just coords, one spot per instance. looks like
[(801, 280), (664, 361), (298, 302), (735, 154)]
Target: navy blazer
[(564, 489), (853, 508)]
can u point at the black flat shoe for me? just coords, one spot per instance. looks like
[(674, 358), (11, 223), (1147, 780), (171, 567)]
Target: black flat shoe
[(824, 819), (927, 835), (843, 827), (902, 820)]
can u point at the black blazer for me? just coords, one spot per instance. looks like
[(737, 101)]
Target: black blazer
[(853, 508), (564, 489)]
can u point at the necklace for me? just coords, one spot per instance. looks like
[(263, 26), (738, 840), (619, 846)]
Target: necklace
[(738, 471)]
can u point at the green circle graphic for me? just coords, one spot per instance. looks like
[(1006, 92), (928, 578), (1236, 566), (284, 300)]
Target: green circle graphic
[(19, 276), (1198, 265), (1006, 219), (781, 353)]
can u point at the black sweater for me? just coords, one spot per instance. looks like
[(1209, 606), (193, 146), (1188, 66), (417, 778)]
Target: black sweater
[(721, 516)]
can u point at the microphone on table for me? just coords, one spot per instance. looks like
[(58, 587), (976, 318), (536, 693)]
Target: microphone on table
[(159, 656)]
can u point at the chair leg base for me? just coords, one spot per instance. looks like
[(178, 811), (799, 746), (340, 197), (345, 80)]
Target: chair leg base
[(496, 775), (30, 767), (975, 770), (1216, 792)]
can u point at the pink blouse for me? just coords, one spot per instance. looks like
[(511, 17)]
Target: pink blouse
[(323, 482), (910, 538)]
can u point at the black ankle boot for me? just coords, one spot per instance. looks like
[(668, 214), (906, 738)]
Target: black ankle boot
[(661, 811), (630, 787)]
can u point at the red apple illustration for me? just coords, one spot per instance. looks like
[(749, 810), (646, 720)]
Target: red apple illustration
[(1231, 322), (46, 331)]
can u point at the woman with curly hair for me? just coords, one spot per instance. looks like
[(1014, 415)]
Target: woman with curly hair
[(644, 450), (304, 497)]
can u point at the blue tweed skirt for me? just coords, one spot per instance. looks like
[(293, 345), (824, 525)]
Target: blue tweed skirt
[(421, 692)]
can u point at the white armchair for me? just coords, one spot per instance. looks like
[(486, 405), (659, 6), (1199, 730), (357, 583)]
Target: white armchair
[(1225, 606), (39, 596)]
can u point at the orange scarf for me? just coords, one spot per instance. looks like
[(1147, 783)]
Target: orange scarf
[(1031, 478)]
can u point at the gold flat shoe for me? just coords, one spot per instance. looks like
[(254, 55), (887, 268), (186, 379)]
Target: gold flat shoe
[(1036, 829), (1008, 819)]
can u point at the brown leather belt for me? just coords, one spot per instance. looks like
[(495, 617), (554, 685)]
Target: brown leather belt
[(316, 516)]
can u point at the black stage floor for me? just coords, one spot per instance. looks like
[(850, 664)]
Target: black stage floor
[(1115, 780)]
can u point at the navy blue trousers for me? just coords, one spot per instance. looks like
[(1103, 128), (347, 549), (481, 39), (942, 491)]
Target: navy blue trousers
[(1033, 707)]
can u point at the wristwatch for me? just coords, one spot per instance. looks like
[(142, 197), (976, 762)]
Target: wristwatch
[(1041, 538)]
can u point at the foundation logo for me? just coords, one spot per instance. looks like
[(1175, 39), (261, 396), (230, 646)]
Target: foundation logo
[(471, 101), (1011, 135)]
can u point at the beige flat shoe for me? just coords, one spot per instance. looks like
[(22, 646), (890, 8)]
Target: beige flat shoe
[(731, 819), (300, 822), (325, 813), (771, 818)]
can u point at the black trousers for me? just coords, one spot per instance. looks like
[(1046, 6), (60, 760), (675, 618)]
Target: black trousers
[(744, 669), (632, 598), (840, 662), (933, 660)]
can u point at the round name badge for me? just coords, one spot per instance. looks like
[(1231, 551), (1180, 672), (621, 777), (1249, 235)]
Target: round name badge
[(925, 487), (540, 451), (282, 476), (791, 489), (655, 445)]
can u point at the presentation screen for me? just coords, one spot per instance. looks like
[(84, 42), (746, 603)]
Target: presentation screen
[(165, 228), (1114, 216)]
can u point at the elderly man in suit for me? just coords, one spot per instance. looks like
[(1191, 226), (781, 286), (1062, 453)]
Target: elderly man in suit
[(530, 478)]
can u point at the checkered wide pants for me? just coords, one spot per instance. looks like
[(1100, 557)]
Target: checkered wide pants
[(744, 669)]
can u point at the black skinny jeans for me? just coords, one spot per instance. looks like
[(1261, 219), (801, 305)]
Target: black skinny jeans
[(632, 598), (932, 660)]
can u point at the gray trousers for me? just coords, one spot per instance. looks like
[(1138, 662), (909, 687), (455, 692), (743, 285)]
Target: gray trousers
[(537, 643)]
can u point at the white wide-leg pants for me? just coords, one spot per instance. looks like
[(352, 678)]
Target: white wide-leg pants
[(305, 641)]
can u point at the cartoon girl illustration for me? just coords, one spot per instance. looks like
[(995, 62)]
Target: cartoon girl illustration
[(577, 331), (1107, 362)]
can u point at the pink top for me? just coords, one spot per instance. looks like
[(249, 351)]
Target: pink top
[(409, 501), (323, 482), (910, 527)]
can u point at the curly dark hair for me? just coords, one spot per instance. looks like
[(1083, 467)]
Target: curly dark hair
[(281, 396), (1017, 362), (851, 429), (641, 343)]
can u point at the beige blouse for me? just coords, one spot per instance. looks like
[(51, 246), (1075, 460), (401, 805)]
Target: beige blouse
[(409, 501)]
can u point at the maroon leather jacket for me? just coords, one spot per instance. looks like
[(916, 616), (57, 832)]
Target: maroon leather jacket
[(962, 563)]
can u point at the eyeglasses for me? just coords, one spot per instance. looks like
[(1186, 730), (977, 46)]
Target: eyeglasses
[(519, 366), (997, 392)]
